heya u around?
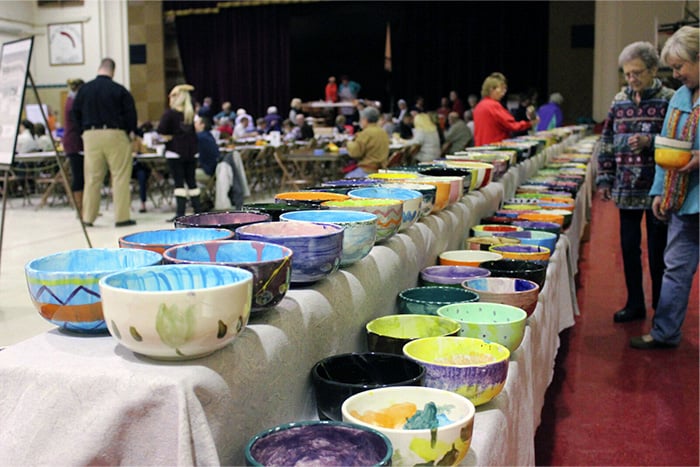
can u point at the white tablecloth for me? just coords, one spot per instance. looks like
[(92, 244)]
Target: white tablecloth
[(84, 400)]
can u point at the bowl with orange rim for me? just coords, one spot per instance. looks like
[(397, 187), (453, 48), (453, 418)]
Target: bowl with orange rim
[(312, 198), (671, 153)]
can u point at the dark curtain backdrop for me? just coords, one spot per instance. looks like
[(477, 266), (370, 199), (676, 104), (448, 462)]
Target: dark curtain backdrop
[(263, 55)]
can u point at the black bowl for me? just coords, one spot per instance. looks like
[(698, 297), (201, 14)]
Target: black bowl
[(222, 220), (450, 172), (520, 269), (340, 376), (275, 210)]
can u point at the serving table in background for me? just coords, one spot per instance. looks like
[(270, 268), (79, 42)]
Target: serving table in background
[(88, 400)]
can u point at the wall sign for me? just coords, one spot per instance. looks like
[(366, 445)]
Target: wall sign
[(66, 44)]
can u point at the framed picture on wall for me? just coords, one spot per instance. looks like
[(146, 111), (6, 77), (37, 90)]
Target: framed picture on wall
[(66, 44)]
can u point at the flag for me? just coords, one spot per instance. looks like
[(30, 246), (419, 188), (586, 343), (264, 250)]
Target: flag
[(387, 49)]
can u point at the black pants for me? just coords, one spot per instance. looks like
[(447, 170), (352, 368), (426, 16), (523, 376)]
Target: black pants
[(630, 241), (76, 168), (183, 172)]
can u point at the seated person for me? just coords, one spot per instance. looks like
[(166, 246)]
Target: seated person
[(42, 139), (406, 126), (289, 131), (209, 154), (371, 145), (306, 132), (341, 127), (242, 113), (225, 128), (458, 135), (26, 142), (261, 126), (273, 119), (241, 130), (226, 112)]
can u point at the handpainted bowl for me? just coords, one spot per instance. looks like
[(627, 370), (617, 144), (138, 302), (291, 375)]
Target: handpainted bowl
[(429, 193), (482, 172), (317, 247), (308, 198), (319, 443), (450, 276), (358, 237), (442, 192), (671, 153), (487, 230), (411, 199), (64, 287), (507, 290), (492, 322), (270, 264), (393, 176), (418, 441), (390, 333), (222, 220), (542, 216), (524, 252), (389, 213), (484, 243), (177, 312), (275, 210), (426, 300), (466, 257), (565, 213), (532, 237), (463, 172), (470, 367), (456, 186), (338, 377), (531, 270), (538, 225), (161, 240)]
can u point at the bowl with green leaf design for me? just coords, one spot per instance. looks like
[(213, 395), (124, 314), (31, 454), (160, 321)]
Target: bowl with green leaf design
[(177, 312)]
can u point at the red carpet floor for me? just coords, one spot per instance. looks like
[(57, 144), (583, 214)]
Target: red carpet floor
[(610, 404)]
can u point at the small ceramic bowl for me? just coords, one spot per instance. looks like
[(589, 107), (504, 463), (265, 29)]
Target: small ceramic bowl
[(464, 172), (565, 213), (270, 264), (543, 216), (671, 153), (389, 213), (64, 287), (414, 442), (487, 230), (484, 243), (492, 322), (532, 237), (358, 237), (507, 290), (319, 443), (222, 220), (426, 300), (531, 270), (442, 192), (456, 186), (177, 312), (393, 176), (317, 247), (161, 240), (338, 377), (481, 172), (467, 257), (524, 252), (428, 191), (390, 333), (470, 367), (275, 210), (411, 199), (450, 276), (537, 225), (308, 198)]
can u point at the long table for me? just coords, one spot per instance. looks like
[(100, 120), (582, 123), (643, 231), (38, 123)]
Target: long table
[(70, 399)]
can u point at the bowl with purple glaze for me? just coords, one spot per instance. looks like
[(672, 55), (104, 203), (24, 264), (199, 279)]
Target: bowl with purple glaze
[(319, 443), (451, 276), (539, 225), (507, 290), (221, 220)]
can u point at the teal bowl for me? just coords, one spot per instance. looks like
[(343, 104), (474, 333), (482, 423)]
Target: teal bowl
[(427, 300)]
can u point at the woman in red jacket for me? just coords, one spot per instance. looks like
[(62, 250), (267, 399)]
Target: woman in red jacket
[(492, 122)]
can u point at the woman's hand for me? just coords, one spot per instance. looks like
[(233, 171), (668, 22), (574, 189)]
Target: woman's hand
[(656, 209), (693, 164), (639, 142)]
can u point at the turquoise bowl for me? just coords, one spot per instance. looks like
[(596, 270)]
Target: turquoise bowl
[(270, 264), (411, 200), (358, 237), (161, 240), (64, 287), (427, 300)]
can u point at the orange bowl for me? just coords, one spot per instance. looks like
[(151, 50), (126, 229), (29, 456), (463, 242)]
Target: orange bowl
[(309, 197), (442, 193), (522, 252), (671, 153), (542, 217)]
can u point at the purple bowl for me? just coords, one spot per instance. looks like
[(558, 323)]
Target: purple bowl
[(539, 225), (222, 220), (451, 275)]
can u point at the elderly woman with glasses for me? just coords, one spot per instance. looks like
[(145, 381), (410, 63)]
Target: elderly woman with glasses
[(676, 194), (626, 171)]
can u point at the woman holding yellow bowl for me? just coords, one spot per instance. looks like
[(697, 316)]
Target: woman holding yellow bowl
[(676, 194), (626, 171)]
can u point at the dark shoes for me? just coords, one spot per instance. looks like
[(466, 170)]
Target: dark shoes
[(625, 315), (646, 342), (87, 224), (125, 223)]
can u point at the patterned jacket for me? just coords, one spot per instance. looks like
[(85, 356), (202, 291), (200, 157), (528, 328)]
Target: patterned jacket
[(629, 174)]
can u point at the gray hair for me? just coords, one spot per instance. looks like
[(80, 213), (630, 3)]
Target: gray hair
[(683, 44), (644, 51), (370, 114), (557, 98)]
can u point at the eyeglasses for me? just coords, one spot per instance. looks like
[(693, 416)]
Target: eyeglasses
[(636, 74)]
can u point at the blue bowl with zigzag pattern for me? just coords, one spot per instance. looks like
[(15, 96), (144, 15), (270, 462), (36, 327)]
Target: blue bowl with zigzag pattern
[(64, 287)]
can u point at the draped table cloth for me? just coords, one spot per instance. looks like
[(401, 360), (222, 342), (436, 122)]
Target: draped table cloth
[(70, 399)]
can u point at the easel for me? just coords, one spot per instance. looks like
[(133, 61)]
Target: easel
[(7, 167)]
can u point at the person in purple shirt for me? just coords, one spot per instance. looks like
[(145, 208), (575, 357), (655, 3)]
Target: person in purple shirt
[(273, 119), (550, 113)]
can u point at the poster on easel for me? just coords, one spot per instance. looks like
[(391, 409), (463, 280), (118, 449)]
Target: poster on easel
[(14, 65)]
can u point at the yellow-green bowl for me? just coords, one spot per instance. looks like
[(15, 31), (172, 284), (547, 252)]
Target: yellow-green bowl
[(390, 333)]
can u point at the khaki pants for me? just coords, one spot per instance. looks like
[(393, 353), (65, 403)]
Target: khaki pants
[(107, 149)]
